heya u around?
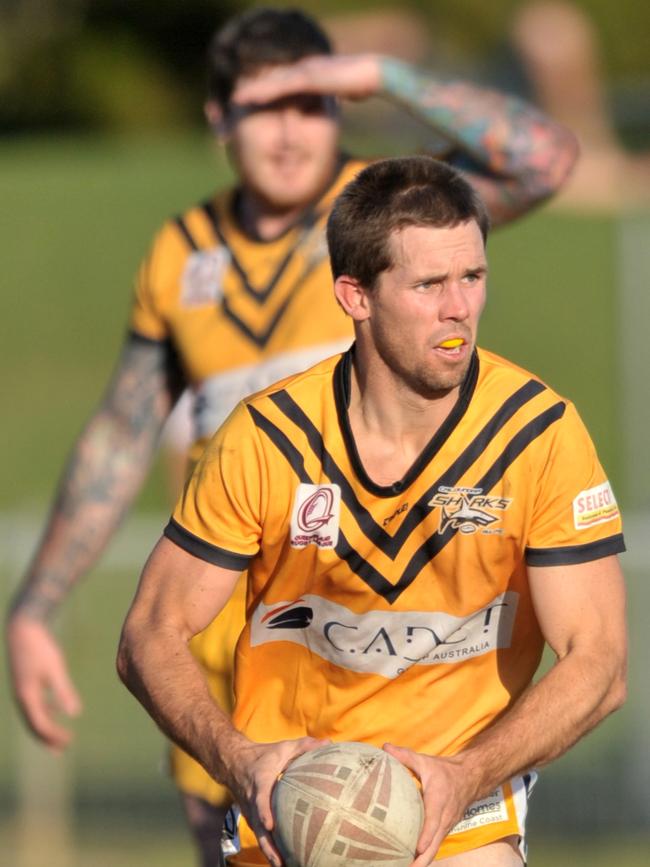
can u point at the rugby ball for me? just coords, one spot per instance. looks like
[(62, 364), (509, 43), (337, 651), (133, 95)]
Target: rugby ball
[(346, 805)]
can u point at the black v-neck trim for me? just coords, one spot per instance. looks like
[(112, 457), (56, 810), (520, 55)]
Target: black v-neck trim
[(342, 392)]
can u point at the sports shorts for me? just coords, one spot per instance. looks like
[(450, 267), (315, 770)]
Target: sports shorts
[(214, 649), (500, 814)]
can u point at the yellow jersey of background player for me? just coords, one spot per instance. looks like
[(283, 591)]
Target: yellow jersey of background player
[(240, 312)]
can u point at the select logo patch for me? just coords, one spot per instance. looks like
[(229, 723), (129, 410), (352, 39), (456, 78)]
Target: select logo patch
[(315, 516), (594, 506)]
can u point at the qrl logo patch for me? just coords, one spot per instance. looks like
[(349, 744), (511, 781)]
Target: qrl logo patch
[(202, 280), (594, 506), (315, 517)]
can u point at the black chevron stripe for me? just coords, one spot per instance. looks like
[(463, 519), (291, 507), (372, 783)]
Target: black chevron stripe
[(392, 544), (432, 546), (262, 294), (282, 443), (520, 442), (361, 567), (262, 338), (460, 466), (185, 232)]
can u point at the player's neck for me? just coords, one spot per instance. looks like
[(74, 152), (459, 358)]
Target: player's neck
[(266, 220), (392, 425), (261, 219)]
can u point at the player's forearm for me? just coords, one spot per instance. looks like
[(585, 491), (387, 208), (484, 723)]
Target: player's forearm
[(572, 698), (156, 666), (505, 135), (105, 471)]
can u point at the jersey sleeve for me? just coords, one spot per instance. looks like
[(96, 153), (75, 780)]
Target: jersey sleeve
[(156, 284), (575, 518), (219, 515)]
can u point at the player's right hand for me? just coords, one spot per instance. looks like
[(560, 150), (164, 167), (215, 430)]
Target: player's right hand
[(256, 769), (41, 683), (351, 76)]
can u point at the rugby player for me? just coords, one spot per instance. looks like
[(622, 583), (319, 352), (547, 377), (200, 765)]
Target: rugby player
[(417, 518)]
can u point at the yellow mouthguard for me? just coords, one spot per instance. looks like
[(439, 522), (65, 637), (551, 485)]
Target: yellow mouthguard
[(453, 343)]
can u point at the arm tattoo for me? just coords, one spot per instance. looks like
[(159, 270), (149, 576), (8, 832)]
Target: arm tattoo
[(106, 469), (518, 156)]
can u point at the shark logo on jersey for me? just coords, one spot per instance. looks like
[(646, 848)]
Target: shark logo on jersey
[(468, 510), (202, 280), (315, 517)]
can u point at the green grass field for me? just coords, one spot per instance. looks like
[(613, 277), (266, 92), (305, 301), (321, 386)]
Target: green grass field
[(82, 214)]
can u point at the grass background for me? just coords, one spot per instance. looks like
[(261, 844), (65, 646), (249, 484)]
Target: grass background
[(78, 215)]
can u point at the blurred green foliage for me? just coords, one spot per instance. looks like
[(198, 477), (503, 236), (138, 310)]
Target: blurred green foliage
[(104, 63), (122, 65), (478, 28)]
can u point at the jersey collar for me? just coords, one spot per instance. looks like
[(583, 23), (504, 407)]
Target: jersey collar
[(342, 392)]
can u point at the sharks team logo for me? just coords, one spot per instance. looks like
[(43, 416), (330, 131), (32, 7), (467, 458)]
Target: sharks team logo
[(468, 510)]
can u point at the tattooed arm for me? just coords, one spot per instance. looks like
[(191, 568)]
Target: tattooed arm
[(106, 470), (513, 154), (518, 156)]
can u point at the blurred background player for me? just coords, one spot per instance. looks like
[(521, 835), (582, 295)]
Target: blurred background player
[(235, 294)]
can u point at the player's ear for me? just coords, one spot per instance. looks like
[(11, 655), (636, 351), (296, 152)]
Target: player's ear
[(352, 297), (216, 119)]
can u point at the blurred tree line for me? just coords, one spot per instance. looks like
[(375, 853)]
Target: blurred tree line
[(94, 64), (133, 64)]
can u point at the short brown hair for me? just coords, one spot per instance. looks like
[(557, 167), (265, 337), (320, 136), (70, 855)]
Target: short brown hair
[(389, 195), (260, 37)]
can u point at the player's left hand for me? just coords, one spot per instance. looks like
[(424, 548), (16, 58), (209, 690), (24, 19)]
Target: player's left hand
[(42, 684), (445, 794), (353, 76)]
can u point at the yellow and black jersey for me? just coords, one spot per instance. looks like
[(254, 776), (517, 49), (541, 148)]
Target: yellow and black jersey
[(366, 600), (240, 312)]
